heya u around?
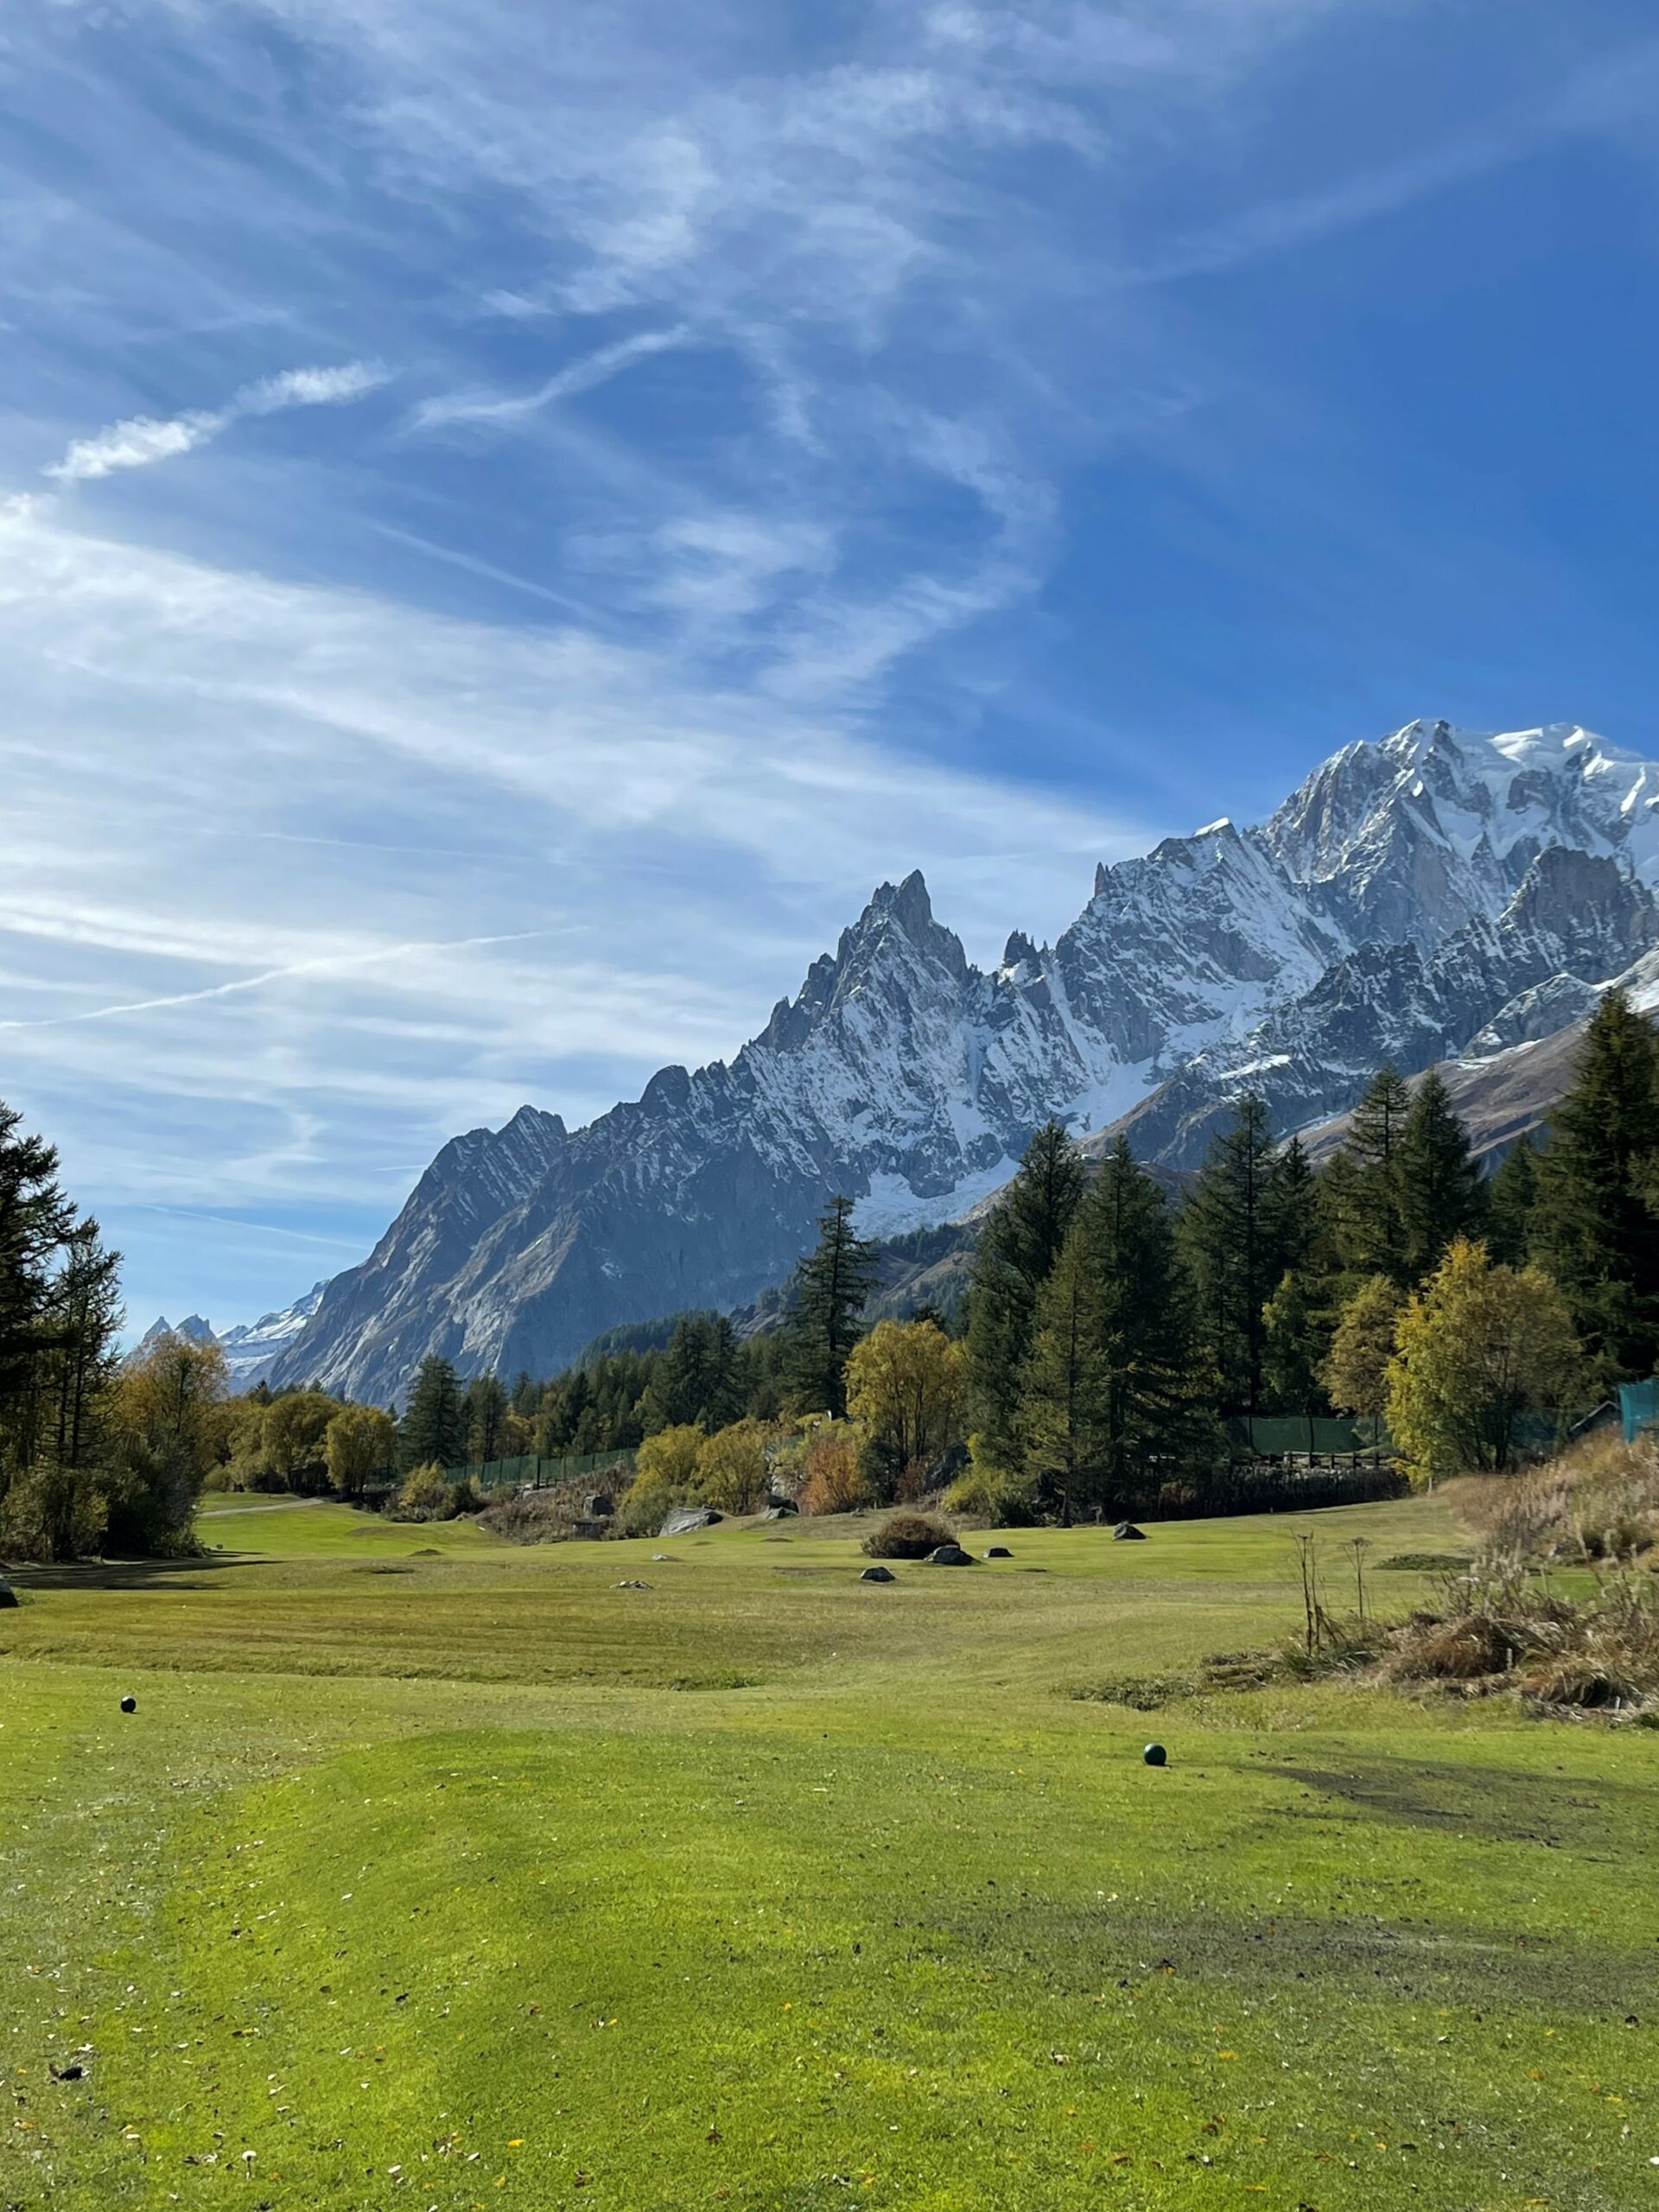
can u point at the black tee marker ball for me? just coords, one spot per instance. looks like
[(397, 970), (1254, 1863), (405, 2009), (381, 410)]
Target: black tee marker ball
[(1155, 1754), (129, 1704)]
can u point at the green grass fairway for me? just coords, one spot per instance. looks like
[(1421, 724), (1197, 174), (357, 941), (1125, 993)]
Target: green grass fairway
[(471, 1878)]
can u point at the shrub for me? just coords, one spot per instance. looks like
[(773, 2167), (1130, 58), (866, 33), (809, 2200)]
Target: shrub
[(835, 1480), (464, 1498), (52, 1513), (908, 1535), (424, 1496), (1004, 1500)]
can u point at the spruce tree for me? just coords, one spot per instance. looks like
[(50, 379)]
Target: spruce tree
[(1017, 1251), (433, 1426), (831, 1289), (1116, 1381), (1371, 1234), (1511, 1202), (1439, 1191), (484, 1409), (1596, 1228), (1232, 1229)]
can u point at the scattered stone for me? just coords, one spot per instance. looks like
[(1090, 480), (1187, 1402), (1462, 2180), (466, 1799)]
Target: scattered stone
[(999, 1551), (1127, 1533), (878, 1574), (1155, 1754), (633, 1586), (684, 1518), (598, 1507), (951, 1555), (7, 1595), (129, 1704), (780, 1508)]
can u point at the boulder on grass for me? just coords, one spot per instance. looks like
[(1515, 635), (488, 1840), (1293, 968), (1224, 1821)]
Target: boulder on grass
[(7, 1595), (878, 1574), (1127, 1533), (633, 1586), (999, 1551), (684, 1518), (951, 1555), (780, 1508)]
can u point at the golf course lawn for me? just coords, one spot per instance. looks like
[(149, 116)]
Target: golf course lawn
[(432, 1872)]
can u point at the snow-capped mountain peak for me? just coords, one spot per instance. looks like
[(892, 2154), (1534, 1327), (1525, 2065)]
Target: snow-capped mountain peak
[(1413, 893)]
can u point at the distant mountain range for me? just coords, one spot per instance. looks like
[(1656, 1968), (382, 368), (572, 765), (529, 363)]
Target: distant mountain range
[(1438, 894), (251, 1349)]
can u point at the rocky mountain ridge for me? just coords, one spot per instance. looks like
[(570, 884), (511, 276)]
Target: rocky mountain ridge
[(1411, 894), (251, 1349)]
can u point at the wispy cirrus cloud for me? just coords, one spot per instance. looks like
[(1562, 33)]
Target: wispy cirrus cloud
[(144, 440), (593, 369)]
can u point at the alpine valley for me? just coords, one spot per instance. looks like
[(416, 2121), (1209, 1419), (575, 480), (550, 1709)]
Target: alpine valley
[(1437, 895)]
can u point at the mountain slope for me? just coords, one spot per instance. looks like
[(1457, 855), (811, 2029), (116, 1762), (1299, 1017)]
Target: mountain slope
[(1413, 895)]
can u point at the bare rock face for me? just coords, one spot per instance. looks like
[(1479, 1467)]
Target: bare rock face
[(1415, 896)]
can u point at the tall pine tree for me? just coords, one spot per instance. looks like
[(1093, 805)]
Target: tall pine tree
[(831, 1289), (1597, 1226), (1512, 1201), (1371, 1234), (1439, 1190), (1115, 1379), (433, 1426), (1233, 1229), (1018, 1250)]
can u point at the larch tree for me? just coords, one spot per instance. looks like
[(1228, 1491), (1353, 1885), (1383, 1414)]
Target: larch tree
[(831, 1289)]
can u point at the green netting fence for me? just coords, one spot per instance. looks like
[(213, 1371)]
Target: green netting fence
[(531, 1471), (1280, 1436)]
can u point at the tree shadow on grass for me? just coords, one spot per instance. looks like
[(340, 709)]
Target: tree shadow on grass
[(124, 1574)]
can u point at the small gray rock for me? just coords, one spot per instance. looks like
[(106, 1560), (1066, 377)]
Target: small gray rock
[(7, 1595), (999, 1551), (951, 1555), (878, 1574), (1127, 1533), (633, 1586)]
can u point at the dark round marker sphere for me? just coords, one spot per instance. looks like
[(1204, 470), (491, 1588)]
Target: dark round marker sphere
[(128, 1704), (1155, 1754)]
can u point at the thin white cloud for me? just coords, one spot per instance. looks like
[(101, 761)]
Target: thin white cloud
[(595, 368), (144, 440), (324, 964)]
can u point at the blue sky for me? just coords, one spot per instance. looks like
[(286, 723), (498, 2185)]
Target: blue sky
[(513, 519)]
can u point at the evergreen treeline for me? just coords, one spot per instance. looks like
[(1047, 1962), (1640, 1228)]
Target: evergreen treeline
[(1108, 1333)]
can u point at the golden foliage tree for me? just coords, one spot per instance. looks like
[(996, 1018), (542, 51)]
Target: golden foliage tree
[(731, 1465), (904, 1390), (1477, 1347), (1355, 1371), (359, 1445)]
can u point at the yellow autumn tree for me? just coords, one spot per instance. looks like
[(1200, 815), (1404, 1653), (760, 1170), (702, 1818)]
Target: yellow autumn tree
[(1477, 1346), (904, 1390), (730, 1472)]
